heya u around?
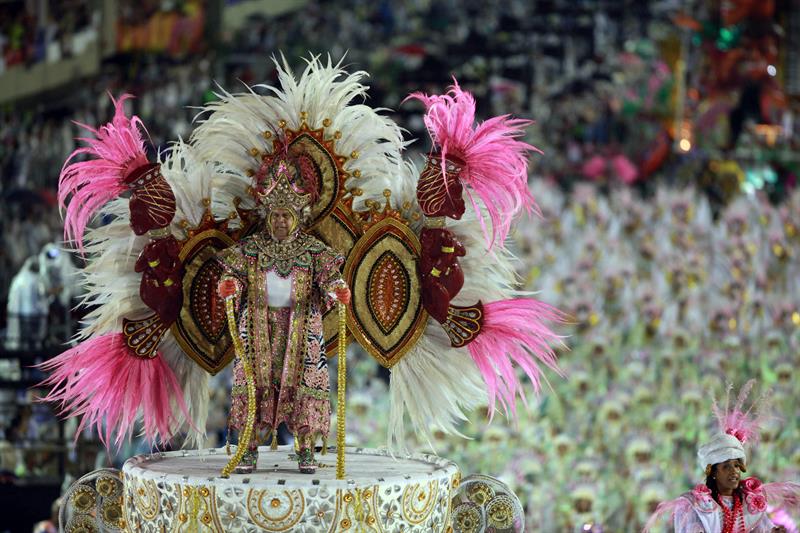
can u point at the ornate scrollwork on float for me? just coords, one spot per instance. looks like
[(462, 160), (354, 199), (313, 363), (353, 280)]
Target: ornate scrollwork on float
[(269, 503), (419, 501)]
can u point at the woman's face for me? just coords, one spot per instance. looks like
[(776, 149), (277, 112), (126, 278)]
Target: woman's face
[(728, 475)]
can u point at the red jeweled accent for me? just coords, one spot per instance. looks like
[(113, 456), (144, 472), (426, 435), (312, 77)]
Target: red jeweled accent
[(143, 336), (162, 274), (463, 324), (439, 189), (440, 273), (152, 201)]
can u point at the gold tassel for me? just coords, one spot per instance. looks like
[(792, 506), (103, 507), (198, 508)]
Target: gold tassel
[(274, 445), (324, 449), (296, 444)]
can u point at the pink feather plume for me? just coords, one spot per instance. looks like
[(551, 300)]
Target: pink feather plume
[(111, 154), (780, 517), (496, 160), (667, 511), (783, 495), (514, 332), (744, 424), (100, 381)]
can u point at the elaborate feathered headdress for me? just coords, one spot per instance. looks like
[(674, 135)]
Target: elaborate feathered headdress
[(737, 427)]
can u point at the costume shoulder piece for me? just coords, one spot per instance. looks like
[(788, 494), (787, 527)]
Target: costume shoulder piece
[(426, 303)]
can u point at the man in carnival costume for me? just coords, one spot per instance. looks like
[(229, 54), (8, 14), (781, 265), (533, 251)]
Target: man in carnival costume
[(726, 503), (284, 280)]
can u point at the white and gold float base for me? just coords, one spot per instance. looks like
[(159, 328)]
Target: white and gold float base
[(183, 491)]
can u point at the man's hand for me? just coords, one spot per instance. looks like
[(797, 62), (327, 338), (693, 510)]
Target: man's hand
[(226, 288), (343, 295)]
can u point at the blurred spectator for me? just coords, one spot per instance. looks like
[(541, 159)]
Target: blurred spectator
[(50, 525), (27, 308)]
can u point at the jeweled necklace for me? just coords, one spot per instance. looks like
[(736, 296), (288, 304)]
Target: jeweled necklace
[(732, 517)]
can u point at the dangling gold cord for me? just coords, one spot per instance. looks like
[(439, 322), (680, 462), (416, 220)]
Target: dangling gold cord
[(341, 382), (247, 432)]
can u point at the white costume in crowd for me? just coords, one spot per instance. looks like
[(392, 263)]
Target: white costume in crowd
[(27, 308), (59, 275), (44, 279)]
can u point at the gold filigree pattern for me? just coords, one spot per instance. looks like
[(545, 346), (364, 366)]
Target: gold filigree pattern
[(200, 326), (84, 499), (81, 524), (111, 513), (482, 503), (418, 501), (500, 512), (108, 486), (437, 182), (467, 518), (328, 166), (145, 498), (480, 493), (275, 510)]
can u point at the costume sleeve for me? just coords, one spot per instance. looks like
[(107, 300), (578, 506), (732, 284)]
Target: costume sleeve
[(684, 518), (328, 275), (764, 525), (233, 264), (688, 523)]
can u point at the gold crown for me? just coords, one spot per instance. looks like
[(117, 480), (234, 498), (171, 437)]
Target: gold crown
[(279, 193)]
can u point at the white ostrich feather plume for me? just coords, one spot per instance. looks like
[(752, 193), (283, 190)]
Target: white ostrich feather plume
[(237, 123)]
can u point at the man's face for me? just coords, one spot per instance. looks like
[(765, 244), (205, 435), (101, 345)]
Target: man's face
[(281, 223)]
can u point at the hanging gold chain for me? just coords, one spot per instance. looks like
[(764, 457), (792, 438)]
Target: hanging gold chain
[(341, 383), (249, 376)]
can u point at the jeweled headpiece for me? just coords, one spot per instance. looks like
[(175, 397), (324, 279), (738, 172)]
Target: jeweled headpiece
[(281, 183)]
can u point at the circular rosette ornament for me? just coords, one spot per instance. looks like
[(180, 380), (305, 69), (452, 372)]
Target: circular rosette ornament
[(468, 518), (94, 503), (483, 503)]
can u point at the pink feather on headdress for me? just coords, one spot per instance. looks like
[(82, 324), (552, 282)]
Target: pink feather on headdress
[(514, 331), (743, 424), (496, 164), (116, 149), (110, 389)]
